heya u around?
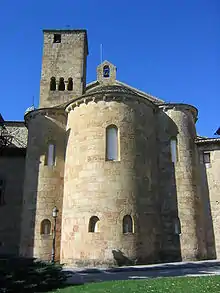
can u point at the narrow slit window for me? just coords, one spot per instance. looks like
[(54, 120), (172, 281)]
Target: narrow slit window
[(173, 150), (45, 228), (57, 38), (112, 143), (53, 84), (70, 84), (94, 224), (106, 71), (206, 158), (61, 86), (177, 227), (127, 224), (2, 190), (51, 155)]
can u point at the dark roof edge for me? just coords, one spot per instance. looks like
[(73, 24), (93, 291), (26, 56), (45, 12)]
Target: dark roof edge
[(13, 123), (64, 30), (207, 140)]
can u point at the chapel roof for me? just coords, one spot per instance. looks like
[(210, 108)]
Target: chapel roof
[(119, 87), (110, 88)]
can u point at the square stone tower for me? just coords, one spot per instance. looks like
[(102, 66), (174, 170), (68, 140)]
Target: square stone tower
[(63, 75)]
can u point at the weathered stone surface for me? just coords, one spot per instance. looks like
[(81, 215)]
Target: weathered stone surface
[(66, 59), (111, 189), (174, 206), (43, 186), (210, 190), (178, 182)]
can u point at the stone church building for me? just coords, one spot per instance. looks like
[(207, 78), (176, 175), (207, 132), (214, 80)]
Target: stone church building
[(132, 180)]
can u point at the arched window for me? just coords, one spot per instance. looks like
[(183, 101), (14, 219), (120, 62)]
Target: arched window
[(177, 226), (53, 83), (93, 224), (61, 86), (173, 150), (106, 71), (51, 155), (112, 143), (70, 84), (45, 227), (127, 224)]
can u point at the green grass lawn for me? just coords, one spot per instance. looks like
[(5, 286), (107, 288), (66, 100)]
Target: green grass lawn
[(159, 285)]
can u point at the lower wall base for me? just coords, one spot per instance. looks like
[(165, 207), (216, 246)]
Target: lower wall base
[(79, 263)]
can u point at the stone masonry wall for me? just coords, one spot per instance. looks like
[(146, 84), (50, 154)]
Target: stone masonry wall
[(66, 59), (110, 189), (210, 190), (43, 187), (178, 185), (12, 172)]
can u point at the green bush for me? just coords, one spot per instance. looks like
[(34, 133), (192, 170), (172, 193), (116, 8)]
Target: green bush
[(19, 274)]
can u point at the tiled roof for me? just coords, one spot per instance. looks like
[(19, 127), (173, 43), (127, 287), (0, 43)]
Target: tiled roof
[(18, 133)]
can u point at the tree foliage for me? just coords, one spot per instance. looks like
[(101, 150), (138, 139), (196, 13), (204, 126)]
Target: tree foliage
[(19, 274)]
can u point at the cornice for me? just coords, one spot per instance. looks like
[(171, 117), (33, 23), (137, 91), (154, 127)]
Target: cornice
[(107, 97), (43, 112), (96, 84), (180, 106)]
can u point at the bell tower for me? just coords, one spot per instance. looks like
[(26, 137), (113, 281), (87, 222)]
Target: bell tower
[(63, 74)]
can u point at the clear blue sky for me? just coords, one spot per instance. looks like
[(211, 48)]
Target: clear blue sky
[(168, 48)]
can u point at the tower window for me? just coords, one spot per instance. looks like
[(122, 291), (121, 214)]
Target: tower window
[(127, 224), (45, 227), (57, 38), (53, 84), (93, 224), (50, 156), (106, 71), (206, 158), (61, 86), (173, 149), (70, 84), (2, 189), (112, 143)]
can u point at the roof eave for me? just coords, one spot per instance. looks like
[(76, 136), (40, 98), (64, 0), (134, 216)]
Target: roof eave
[(207, 140)]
